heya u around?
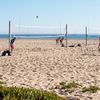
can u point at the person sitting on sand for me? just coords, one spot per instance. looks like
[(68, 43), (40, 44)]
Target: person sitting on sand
[(57, 40), (12, 43), (61, 40)]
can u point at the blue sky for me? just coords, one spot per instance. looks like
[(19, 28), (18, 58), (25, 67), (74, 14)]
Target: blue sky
[(52, 13)]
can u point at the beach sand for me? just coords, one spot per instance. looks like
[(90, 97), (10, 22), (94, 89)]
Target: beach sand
[(43, 65)]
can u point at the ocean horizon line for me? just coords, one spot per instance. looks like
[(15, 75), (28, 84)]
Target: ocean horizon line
[(51, 36)]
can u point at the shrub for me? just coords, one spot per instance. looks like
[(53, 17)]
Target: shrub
[(14, 93), (91, 89), (69, 85)]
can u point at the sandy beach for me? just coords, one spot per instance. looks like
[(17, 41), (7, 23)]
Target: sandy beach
[(43, 65)]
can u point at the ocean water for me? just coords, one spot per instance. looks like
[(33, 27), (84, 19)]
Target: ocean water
[(50, 36)]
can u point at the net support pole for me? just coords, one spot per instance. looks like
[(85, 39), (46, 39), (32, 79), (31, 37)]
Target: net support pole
[(9, 35), (66, 37), (86, 35)]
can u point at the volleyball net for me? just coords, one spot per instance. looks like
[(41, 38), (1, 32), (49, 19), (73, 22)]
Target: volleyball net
[(23, 31)]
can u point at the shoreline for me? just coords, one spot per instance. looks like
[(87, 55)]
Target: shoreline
[(52, 36)]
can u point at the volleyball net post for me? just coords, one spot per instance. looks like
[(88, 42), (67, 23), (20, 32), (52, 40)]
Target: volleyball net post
[(9, 37), (66, 37), (86, 35)]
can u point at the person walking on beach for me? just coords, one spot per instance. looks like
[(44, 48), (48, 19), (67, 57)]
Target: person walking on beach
[(57, 40), (12, 43), (61, 40)]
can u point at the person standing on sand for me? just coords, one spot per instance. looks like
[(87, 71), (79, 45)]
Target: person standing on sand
[(57, 40), (61, 40), (99, 44), (12, 43)]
